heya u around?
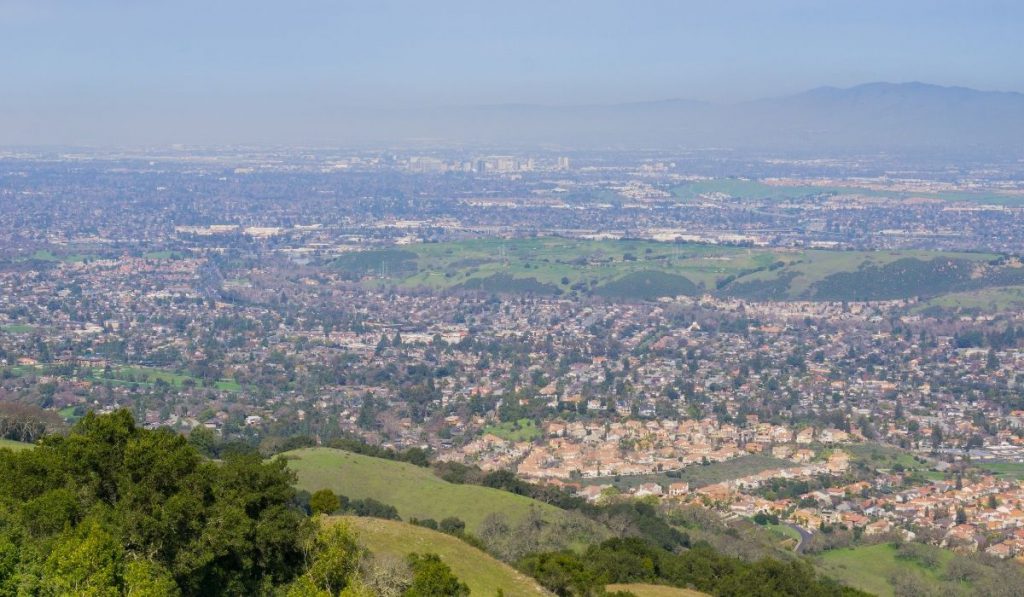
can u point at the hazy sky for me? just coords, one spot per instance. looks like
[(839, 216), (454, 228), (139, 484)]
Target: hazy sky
[(73, 68)]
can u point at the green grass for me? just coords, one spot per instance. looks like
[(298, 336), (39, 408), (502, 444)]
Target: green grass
[(44, 255), (642, 590), (644, 270), (880, 456), (783, 530), (162, 255), (13, 445), (18, 328), (869, 567), (484, 574), (986, 300), (549, 260), (1014, 470), (523, 430), (148, 376), (415, 491), (126, 375)]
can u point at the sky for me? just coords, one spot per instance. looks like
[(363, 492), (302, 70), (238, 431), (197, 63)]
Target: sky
[(100, 71)]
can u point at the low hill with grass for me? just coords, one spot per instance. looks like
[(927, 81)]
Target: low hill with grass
[(414, 491), (646, 270), (917, 569), (484, 574), (872, 568)]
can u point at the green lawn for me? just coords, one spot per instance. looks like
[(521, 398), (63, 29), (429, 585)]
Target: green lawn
[(1007, 469), (523, 430), (415, 491), (869, 567), (484, 574), (13, 445), (162, 255), (18, 328), (149, 375), (44, 255), (126, 375)]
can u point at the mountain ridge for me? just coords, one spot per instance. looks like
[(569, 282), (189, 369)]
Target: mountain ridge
[(877, 116)]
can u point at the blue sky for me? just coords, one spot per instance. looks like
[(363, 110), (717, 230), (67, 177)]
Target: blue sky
[(72, 63)]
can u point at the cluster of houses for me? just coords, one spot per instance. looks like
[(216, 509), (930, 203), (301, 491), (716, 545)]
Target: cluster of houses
[(630, 447)]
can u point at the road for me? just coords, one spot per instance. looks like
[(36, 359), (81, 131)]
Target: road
[(805, 537)]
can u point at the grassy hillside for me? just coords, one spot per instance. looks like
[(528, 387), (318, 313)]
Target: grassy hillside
[(986, 300), (6, 443), (645, 270), (484, 574), (871, 567), (414, 491), (641, 590)]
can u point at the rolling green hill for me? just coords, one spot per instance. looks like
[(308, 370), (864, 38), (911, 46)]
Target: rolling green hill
[(870, 568), (484, 574), (415, 491), (647, 270)]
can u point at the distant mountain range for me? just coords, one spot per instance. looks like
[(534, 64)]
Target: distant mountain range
[(873, 117)]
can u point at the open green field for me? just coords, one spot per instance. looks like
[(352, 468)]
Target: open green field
[(870, 567), (753, 189), (125, 375), (415, 491), (880, 456), (646, 270), (163, 255), (484, 574), (44, 255), (642, 590), (523, 430), (18, 328), (1013, 470), (986, 300), (149, 375), (13, 445)]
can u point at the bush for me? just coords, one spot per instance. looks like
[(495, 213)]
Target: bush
[(452, 526), (324, 502), (433, 578)]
